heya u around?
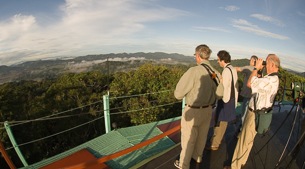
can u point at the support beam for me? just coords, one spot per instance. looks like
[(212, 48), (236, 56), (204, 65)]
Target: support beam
[(14, 143), (6, 157), (106, 113)]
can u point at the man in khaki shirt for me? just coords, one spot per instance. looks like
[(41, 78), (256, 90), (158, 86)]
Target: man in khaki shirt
[(198, 88)]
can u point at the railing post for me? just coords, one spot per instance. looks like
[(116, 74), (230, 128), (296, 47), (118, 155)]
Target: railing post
[(183, 104), (106, 113), (14, 143), (6, 157)]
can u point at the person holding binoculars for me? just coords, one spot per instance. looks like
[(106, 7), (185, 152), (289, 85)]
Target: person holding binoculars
[(264, 90)]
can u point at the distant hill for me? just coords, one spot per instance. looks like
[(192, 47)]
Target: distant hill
[(46, 69), (298, 73)]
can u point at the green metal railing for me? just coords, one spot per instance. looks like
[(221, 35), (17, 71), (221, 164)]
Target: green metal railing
[(107, 127)]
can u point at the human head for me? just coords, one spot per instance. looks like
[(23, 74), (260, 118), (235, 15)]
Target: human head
[(202, 52), (253, 60), (223, 58), (272, 63)]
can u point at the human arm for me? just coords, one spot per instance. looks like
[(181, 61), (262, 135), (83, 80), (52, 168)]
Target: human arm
[(185, 84), (254, 73), (238, 69)]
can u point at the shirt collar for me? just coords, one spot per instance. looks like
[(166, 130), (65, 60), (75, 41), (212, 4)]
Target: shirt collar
[(205, 62)]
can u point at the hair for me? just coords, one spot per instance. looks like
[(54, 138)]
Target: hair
[(224, 55), (274, 59), (204, 51), (254, 57)]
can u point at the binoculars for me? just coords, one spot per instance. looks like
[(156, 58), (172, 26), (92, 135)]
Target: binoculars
[(264, 63)]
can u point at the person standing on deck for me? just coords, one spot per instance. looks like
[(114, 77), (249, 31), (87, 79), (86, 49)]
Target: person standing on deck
[(199, 90), (264, 90), (245, 90), (225, 109)]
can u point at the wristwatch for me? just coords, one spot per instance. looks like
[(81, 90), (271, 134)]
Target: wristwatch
[(255, 68)]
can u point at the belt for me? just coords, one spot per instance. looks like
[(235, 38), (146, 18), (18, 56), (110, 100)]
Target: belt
[(197, 107), (263, 109)]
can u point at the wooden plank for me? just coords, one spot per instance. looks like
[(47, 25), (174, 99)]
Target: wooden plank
[(76, 158)]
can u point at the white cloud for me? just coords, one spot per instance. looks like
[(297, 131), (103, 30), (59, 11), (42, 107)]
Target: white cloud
[(84, 27), (17, 26), (232, 8), (249, 27), (218, 29), (268, 19)]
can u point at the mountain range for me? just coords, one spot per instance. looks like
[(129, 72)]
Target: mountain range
[(44, 69)]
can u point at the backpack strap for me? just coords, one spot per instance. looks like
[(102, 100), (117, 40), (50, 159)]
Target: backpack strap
[(216, 80), (232, 83), (212, 73)]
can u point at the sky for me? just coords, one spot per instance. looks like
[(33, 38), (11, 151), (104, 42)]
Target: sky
[(50, 29)]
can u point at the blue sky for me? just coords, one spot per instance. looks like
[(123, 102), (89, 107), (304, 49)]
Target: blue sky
[(48, 29)]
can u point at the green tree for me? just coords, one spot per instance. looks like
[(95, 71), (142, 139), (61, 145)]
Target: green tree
[(156, 82)]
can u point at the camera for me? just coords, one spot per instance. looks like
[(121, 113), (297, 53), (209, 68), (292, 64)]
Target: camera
[(264, 63)]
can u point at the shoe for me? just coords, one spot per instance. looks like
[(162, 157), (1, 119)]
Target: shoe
[(212, 148), (198, 160), (176, 164)]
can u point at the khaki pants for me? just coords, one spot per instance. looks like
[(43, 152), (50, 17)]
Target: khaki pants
[(219, 132), (195, 125), (245, 141)]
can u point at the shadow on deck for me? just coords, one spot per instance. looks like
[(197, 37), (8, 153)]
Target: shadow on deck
[(266, 152)]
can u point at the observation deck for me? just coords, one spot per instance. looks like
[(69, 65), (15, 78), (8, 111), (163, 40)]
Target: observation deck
[(123, 148)]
